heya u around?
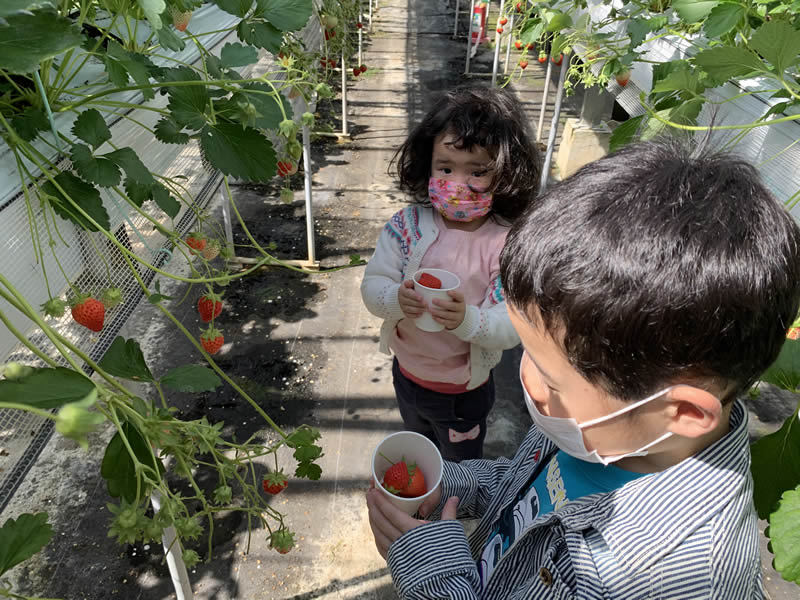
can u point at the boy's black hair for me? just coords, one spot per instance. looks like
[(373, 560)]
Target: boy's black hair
[(654, 266), (477, 116)]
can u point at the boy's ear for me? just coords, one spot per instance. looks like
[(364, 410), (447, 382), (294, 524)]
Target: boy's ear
[(694, 412)]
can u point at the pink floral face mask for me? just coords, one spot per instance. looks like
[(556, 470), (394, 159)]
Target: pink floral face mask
[(456, 201)]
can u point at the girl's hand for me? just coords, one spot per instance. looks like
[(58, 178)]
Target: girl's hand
[(450, 313), (410, 302)]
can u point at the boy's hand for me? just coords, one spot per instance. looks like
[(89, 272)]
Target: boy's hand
[(410, 302), (388, 522), (449, 313)]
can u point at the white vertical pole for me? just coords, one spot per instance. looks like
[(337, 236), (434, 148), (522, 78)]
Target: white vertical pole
[(172, 547), (226, 219), (370, 15), (307, 189), (508, 45), (469, 34), (497, 40), (455, 21), (544, 100), (344, 95), (551, 139), (360, 32)]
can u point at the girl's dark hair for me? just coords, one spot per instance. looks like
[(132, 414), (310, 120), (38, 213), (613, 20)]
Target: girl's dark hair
[(656, 265), (477, 116)]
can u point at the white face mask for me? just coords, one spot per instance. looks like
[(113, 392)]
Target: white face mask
[(567, 434)]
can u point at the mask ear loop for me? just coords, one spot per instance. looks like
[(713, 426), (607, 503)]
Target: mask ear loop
[(628, 408)]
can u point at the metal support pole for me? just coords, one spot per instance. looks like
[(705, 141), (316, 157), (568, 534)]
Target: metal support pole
[(497, 40), (307, 189), (226, 219), (497, 34), (344, 96), (508, 45), (455, 21), (544, 100), (370, 16), (551, 139), (172, 548), (469, 35)]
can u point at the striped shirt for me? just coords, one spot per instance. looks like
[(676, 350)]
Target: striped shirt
[(687, 532)]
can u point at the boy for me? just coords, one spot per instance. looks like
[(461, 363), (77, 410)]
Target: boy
[(649, 290)]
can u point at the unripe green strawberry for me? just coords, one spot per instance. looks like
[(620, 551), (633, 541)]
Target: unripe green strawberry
[(14, 371), (111, 297), (287, 196), (74, 421), (282, 540)]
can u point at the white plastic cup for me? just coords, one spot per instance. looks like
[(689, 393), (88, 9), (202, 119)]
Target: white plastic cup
[(414, 448), (449, 280)]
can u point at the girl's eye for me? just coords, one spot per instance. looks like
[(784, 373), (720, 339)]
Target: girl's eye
[(446, 170), (480, 173)]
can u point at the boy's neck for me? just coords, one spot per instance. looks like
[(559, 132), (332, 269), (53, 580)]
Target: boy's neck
[(473, 225), (676, 449)]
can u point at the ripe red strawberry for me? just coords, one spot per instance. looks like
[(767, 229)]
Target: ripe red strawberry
[(518, 7), (359, 25), (396, 478), (89, 312), (793, 333), (196, 241), (430, 281), (523, 64), (623, 76), (416, 483), (286, 167), (518, 44), (212, 340), (356, 71), (542, 57), (180, 19), (363, 68), (209, 306), (332, 63), (557, 61), (503, 21), (499, 30), (275, 482), (529, 46), (281, 540)]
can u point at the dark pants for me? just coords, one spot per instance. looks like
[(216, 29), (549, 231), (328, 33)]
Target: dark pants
[(445, 418)]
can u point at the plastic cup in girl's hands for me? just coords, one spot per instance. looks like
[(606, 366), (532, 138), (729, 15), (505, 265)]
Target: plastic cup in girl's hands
[(420, 457), (425, 284)]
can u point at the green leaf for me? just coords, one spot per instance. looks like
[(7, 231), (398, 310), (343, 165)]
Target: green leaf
[(775, 465), (261, 96), (28, 38), (638, 30), (152, 10), (28, 124), (531, 31), (23, 537), (118, 468), (307, 453), (46, 388), (169, 132), (784, 536), (722, 19), (83, 194), (134, 168), (559, 43), (235, 7), (624, 133), (170, 40), (779, 43), (308, 470), (693, 11), (238, 151), (191, 378), (236, 55), (684, 113), (95, 169), (724, 62), (138, 193), (135, 67), (259, 33), (286, 15), (302, 436), (9, 7), (117, 75), (187, 104), (682, 77), (124, 358), (785, 371), (165, 201), (91, 127)]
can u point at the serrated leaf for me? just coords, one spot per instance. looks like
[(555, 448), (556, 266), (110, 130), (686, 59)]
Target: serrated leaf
[(9, 7), (91, 127), (118, 468), (778, 108), (187, 104), (169, 132), (46, 388), (261, 96), (308, 470), (152, 10), (725, 62), (779, 43), (784, 535), (785, 371), (95, 169), (637, 30), (722, 19), (682, 77), (27, 38), (286, 15), (29, 123), (134, 168), (135, 67), (23, 537), (165, 201), (307, 453), (624, 133), (191, 378), (83, 194), (531, 31), (238, 151), (236, 55), (138, 193), (124, 358), (117, 75), (302, 436), (235, 7), (775, 465), (170, 40), (693, 11), (259, 33), (684, 113)]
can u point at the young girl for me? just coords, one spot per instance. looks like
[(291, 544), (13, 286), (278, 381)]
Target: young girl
[(471, 169)]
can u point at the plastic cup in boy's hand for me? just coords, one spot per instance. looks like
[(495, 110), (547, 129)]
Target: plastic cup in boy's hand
[(407, 469), (432, 284)]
